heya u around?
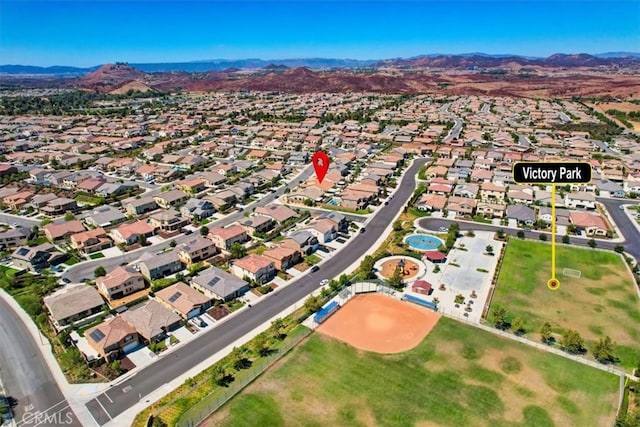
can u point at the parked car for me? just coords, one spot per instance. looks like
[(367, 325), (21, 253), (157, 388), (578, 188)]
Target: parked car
[(362, 230), (324, 282), (315, 268)]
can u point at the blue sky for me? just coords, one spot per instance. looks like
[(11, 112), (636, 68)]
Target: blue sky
[(85, 33)]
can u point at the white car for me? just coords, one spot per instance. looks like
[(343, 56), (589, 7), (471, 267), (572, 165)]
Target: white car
[(324, 282)]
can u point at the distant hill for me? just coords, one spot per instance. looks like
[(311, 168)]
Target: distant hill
[(475, 59)]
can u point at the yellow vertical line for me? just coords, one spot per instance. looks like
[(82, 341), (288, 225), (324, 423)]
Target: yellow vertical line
[(553, 231)]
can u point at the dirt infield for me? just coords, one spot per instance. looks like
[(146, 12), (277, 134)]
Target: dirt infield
[(379, 323)]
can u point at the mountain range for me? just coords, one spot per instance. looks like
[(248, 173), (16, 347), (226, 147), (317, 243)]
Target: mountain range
[(476, 59)]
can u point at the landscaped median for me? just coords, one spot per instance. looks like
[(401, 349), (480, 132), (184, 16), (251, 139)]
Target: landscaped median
[(201, 395)]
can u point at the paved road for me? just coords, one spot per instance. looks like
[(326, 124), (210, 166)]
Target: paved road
[(18, 219), (27, 378), (85, 269), (454, 133), (116, 400), (628, 230)]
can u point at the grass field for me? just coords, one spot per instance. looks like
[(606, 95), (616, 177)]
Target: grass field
[(603, 301), (458, 375)]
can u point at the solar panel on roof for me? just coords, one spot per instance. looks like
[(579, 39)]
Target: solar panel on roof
[(175, 296), (214, 281), (23, 251), (96, 335)]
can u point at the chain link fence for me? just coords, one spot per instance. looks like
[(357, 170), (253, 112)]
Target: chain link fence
[(214, 401)]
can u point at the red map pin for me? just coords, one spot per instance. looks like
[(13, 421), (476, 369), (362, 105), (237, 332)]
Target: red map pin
[(320, 164)]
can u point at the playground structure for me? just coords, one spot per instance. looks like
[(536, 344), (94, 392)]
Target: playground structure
[(409, 269)]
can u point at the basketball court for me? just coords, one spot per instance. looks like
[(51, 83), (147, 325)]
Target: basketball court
[(379, 323)]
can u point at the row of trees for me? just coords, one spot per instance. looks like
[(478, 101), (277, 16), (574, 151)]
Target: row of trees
[(571, 341)]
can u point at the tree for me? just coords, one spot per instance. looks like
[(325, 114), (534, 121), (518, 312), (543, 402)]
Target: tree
[(397, 225), (572, 342), (99, 271), (546, 333), (69, 216), (219, 375), (239, 359), (619, 248), (566, 239), (260, 345), (366, 266), (517, 325), (238, 250), (542, 237), (489, 249), (500, 234), (592, 243), (520, 234), (498, 317), (603, 350), (308, 202), (278, 328), (204, 230), (313, 303), (142, 239), (172, 243), (395, 281), (343, 280)]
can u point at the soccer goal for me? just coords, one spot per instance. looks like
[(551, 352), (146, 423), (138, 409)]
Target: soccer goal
[(570, 272)]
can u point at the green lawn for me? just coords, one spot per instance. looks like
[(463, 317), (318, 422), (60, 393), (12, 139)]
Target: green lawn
[(603, 301), (458, 376), (97, 255)]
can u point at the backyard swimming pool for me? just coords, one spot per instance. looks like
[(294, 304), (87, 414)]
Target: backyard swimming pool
[(423, 242)]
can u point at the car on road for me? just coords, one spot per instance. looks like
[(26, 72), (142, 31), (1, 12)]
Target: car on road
[(621, 207), (65, 280), (315, 268), (324, 282), (362, 230), (16, 225), (443, 229)]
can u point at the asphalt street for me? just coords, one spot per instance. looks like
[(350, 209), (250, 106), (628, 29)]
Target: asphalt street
[(84, 270), (126, 394), (27, 378), (631, 244)]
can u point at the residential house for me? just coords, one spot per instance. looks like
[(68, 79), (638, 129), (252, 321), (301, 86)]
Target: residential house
[(257, 224), (91, 241), (223, 238), (18, 200), (14, 237), (431, 202), (581, 200), (167, 220), (197, 209), (113, 338), (562, 215), (157, 266), (279, 213), (606, 186), (195, 250), (39, 201), (130, 233), (490, 210), (325, 230), (192, 186), (491, 192), (283, 257), (140, 206), (303, 241), (57, 231), (105, 216), (524, 215), (171, 198), (222, 200), (184, 300), (72, 304), (591, 223), (340, 220), (152, 321), (461, 205), (256, 267), (120, 282), (466, 190), (36, 258), (218, 284)]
